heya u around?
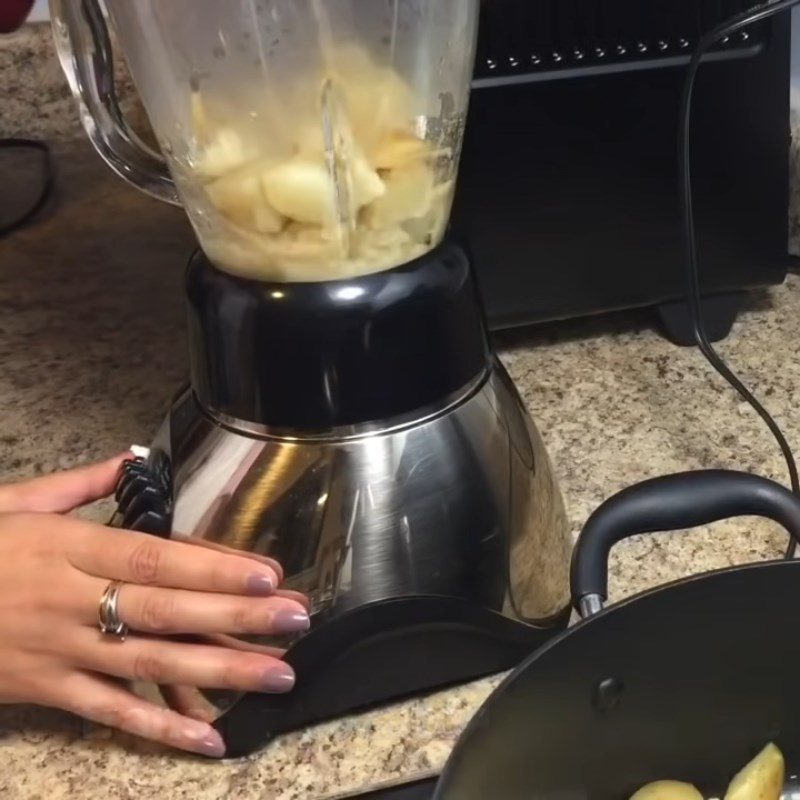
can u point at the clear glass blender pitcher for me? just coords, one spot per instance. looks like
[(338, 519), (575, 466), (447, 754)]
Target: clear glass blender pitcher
[(306, 139)]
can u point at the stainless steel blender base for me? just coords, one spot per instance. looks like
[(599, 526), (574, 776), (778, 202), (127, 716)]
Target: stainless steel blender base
[(433, 550)]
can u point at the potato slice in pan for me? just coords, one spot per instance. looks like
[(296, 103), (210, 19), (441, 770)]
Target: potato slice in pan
[(667, 790), (761, 779)]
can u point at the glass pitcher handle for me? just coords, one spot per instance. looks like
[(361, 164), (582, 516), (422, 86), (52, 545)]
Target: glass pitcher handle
[(84, 49)]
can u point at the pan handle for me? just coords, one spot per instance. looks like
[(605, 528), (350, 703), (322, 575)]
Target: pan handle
[(671, 503)]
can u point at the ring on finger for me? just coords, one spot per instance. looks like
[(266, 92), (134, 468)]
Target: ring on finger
[(108, 618)]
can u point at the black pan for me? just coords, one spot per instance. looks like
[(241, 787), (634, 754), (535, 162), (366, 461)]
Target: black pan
[(686, 682)]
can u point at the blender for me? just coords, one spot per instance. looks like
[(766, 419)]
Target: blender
[(346, 414)]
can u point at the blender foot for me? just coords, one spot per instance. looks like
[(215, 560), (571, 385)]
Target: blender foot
[(719, 313)]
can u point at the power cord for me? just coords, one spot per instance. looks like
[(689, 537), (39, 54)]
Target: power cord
[(732, 26), (47, 186)]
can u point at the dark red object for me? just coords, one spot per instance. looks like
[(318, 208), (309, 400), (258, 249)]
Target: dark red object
[(13, 13)]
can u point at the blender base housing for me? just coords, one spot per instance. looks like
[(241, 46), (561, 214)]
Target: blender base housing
[(432, 542)]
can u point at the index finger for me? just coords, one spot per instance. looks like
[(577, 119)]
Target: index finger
[(63, 491), (143, 559)]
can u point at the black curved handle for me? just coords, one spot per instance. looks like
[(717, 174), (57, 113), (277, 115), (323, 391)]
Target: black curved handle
[(670, 503)]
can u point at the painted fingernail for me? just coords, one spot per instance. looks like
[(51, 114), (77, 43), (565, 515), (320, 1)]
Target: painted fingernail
[(207, 741), (278, 679), (290, 620), (261, 583)]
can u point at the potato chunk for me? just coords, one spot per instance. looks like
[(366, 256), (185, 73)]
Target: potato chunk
[(409, 195), (761, 779), (226, 151), (240, 197), (377, 101), (303, 190), (667, 790), (399, 149)]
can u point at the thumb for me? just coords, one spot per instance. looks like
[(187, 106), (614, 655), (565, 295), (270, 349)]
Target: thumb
[(63, 491)]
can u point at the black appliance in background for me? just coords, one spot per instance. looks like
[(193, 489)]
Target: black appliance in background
[(568, 189), (568, 192)]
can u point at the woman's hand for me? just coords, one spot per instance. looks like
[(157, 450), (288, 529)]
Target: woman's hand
[(53, 572)]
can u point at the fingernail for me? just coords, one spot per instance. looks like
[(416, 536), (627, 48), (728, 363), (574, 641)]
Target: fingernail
[(290, 620), (261, 583), (207, 741), (213, 747), (278, 680)]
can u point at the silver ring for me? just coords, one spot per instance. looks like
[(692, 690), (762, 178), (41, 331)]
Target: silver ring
[(108, 612)]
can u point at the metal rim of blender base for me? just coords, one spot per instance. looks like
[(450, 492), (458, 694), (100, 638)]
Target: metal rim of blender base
[(350, 432)]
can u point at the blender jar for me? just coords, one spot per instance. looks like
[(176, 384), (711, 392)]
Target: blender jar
[(308, 140)]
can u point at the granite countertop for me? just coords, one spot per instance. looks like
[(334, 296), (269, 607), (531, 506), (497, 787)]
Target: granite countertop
[(92, 347)]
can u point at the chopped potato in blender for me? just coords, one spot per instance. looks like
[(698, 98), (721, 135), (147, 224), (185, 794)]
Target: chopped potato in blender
[(240, 196), (408, 195), (355, 191), (398, 149)]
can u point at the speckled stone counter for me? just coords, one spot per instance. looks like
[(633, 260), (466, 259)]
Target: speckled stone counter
[(34, 97), (92, 349)]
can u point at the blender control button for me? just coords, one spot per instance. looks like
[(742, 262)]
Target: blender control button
[(151, 522), (130, 471), (129, 489), (134, 463), (134, 466), (147, 499), (144, 494)]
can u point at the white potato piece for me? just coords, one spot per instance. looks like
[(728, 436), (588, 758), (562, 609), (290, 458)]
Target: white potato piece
[(367, 184), (352, 58), (376, 102), (224, 153), (302, 190), (430, 229), (235, 194), (384, 249), (307, 243), (299, 252), (242, 255), (373, 242), (309, 140), (409, 195), (761, 779), (200, 121), (398, 149), (266, 219), (240, 197), (667, 790)]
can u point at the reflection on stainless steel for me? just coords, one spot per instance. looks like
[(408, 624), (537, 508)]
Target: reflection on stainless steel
[(461, 504)]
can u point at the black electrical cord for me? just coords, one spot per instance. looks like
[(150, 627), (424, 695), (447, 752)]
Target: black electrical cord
[(47, 186), (732, 26)]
